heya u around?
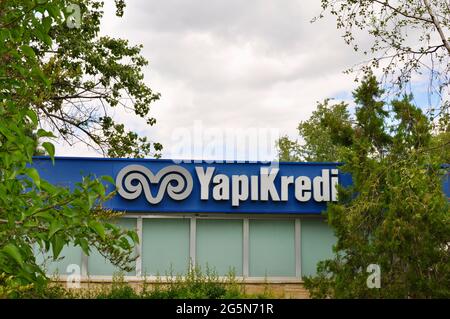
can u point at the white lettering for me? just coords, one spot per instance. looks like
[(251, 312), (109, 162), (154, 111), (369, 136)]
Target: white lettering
[(285, 182), (321, 185), (205, 179), (187, 309), (239, 189), (221, 190), (254, 187), (303, 188), (334, 184), (267, 184), (176, 182)]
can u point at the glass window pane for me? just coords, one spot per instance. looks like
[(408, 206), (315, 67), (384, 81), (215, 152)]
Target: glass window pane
[(317, 241), (165, 246), (99, 265), (69, 255), (219, 245), (272, 248)]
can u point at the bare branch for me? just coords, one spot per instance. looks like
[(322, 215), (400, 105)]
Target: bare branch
[(402, 13), (437, 24)]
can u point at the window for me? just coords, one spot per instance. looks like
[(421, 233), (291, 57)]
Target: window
[(99, 265), (272, 248), (69, 255), (317, 242), (165, 246), (219, 245)]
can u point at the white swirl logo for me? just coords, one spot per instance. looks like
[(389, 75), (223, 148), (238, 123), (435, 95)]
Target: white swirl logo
[(178, 191)]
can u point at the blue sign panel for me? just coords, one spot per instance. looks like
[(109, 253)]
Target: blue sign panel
[(148, 185)]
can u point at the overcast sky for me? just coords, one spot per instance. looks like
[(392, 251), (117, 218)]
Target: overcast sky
[(231, 64)]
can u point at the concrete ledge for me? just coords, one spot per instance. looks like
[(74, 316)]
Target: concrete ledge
[(274, 288), (165, 279)]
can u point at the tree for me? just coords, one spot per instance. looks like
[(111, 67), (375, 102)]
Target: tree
[(395, 215), (288, 150), (320, 134), (34, 82), (89, 74), (410, 37)]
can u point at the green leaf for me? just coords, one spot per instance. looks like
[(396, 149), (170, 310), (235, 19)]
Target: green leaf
[(28, 51), (33, 116), (44, 37), (92, 197), (38, 72), (100, 189), (54, 11), (34, 175), (4, 35), (98, 228), (84, 245), (47, 23), (57, 245), (5, 132), (50, 148), (108, 179), (134, 236), (14, 252), (44, 215), (54, 228), (44, 133)]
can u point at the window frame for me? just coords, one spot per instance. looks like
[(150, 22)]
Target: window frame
[(193, 243)]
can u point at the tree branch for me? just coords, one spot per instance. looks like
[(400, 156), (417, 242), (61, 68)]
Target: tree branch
[(77, 125), (437, 24), (405, 14)]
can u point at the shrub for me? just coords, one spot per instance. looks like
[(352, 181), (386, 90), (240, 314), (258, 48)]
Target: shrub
[(195, 285)]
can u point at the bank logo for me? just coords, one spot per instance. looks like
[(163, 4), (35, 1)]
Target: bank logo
[(174, 180), (177, 182)]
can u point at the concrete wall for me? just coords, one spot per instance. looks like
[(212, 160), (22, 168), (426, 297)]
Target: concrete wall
[(283, 290)]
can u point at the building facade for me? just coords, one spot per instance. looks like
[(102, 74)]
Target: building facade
[(261, 221)]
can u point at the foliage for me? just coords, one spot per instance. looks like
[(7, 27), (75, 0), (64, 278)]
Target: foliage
[(409, 38), (395, 214), (288, 150), (11, 288), (195, 285), (320, 134), (119, 290), (34, 213), (74, 77)]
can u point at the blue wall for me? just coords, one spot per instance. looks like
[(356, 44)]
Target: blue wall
[(68, 171)]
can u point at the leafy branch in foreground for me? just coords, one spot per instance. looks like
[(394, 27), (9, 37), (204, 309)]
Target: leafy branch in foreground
[(33, 212), (81, 77)]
